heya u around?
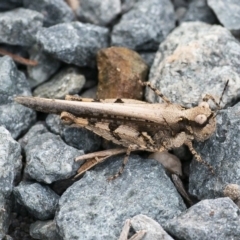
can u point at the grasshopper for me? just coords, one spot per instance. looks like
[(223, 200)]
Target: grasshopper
[(133, 124)]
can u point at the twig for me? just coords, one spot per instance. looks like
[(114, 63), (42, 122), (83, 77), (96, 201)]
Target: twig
[(18, 59)]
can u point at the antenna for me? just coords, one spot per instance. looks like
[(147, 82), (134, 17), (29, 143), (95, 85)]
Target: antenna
[(225, 87), (220, 100)]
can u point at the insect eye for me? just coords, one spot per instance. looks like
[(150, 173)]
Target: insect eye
[(203, 105), (200, 119)]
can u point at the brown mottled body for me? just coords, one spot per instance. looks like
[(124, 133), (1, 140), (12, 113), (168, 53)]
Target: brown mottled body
[(154, 119), (133, 124)]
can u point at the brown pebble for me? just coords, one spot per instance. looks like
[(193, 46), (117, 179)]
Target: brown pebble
[(119, 69)]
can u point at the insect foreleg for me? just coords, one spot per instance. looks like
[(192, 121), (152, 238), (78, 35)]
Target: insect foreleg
[(197, 156), (208, 97), (125, 160), (156, 91)]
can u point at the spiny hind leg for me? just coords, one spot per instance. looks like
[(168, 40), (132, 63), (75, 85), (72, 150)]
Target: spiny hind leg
[(95, 158), (156, 91), (197, 156), (125, 160)]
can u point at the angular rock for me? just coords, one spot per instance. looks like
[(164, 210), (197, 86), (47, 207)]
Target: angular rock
[(37, 129), (99, 12), (221, 151), (128, 4), (145, 26), (93, 208), (38, 199), (74, 42), (10, 162), (54, 11), (46, 67), (5, 214), (67, 81), (19, 26), (118, 72), (196, 59), (208, 219), (45, 230), (198, 10), (227, 12), (76, 137), (15, 117), (153, 229), (49, 159)]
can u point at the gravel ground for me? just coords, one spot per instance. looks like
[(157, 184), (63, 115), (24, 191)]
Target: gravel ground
[(99, 49)]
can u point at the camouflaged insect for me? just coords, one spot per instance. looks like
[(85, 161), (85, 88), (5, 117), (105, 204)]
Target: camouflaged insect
[(133, 124)]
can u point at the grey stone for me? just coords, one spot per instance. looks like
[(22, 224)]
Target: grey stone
[(128, 4), (222, 152), (196, 59), (54, 11), (93, 208), (15, 117), (10, 161), (198, 10), (153, 229), (227, 12), (37, 129), (46, 67), (5, 214), (39, 200), (49, 159), (76, 137), (145, 26), (74, 42), (55, 124), (99, 12), (19, 26), (45, 230), (208, 219), (67, 81)]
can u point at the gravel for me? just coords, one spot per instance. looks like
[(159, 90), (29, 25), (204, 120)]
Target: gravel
[(191, 48)]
